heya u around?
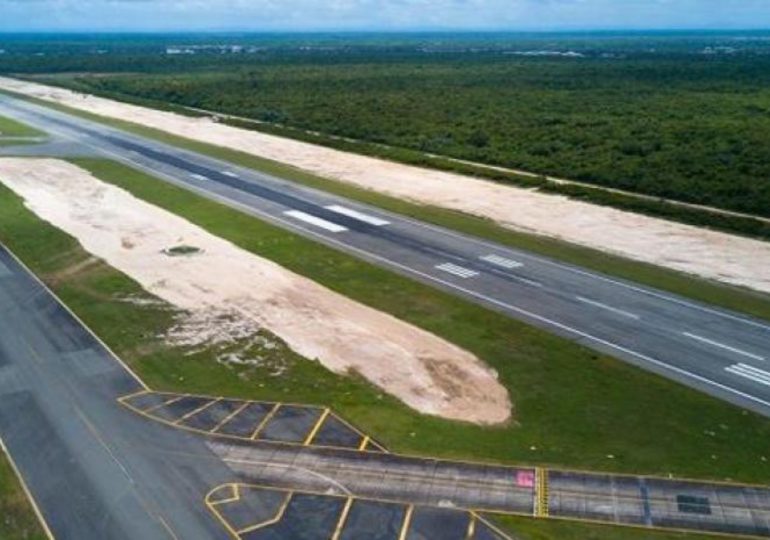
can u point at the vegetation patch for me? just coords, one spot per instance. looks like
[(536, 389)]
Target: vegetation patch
[(574, 407), (17, 518)]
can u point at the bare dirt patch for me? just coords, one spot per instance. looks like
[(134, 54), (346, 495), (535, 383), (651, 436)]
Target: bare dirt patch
[(229, 293), (712, 255)]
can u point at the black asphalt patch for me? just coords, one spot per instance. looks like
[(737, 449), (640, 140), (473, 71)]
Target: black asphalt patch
[(432, 523), (335, 432), (307, 517), (212, 416), (246, 422), (290, 423), (374, 521)]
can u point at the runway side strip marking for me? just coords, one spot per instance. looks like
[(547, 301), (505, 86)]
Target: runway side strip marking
[(460, 271), (360, 216), (607, 308), (723, 346), (750, 372), (315, 220), (502, 262)]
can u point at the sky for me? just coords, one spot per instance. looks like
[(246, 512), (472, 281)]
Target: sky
[(389, 15)]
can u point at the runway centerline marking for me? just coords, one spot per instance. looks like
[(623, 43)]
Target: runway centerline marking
[(355, 214), (459, 271), (315, 220), (723, 346), (502, 262), (231, 174), (198, 176), (750, 372), (608, 308)]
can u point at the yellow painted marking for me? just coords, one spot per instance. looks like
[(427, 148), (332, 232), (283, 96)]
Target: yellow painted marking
[(364, 442), (471, 528), (230, 416), (196, 411), (275, 519), (265, 420), (541, 492), (316, 427), (343, 519), (135, 394), (27, 492), (161, 405), (406, 523), (214, 511)]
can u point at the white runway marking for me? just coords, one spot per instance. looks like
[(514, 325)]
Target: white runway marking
[(314, 220), (750, 372), (231, 174), (723, 346), (464, 273), (502, 262), (608, 308), (198, 177), (360, 216)]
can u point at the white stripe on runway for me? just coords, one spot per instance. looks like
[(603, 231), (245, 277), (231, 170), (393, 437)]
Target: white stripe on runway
[(360, 216), (198, 177), (231, 174), (750, 372), (723, 346), (608, 308), (464, 273), (314, 220), (497, 260)]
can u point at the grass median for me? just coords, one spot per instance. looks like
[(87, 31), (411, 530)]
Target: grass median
[(734, 298), (13, 132), (573, 407), (17, 518)]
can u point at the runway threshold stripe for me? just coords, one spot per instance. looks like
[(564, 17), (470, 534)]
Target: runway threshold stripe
[(464, 273), (607, 308), (355, 214), (750, 372), (723, 346), (497, 260), (315, 220)]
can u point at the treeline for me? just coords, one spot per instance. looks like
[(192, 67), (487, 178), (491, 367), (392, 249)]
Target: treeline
[(693, 128)]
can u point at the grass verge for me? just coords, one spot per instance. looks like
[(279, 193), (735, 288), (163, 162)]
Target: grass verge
[(11, 129), (574, 407), (709, 292), (537, 529), (17, 518)]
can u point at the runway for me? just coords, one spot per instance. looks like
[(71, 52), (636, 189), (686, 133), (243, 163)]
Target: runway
[(722, 353), (105, 457)]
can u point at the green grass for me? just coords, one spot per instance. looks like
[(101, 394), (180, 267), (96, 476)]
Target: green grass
[(17, 519), (11, 129), (574, 406), (535, 529), (710, 292)]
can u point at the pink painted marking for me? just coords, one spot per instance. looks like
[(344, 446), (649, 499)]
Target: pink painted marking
[(525, 479)]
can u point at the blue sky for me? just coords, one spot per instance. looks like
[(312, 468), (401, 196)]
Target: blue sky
[(110, 15)]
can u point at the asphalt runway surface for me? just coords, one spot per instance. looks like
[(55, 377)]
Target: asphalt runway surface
[(722, 353), (104, 457)]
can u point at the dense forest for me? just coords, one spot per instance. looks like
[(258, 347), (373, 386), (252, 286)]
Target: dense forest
[(683, 117)]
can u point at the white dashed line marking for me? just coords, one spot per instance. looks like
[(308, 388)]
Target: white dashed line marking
[(231, 174), (723, 346), (608, 308), (198, 177), (314, 220), (502, 262), (464, 273), (360, 216), (750, 372)]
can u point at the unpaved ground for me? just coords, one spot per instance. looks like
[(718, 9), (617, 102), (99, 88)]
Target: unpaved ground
[(426, 372), (712, 255)]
